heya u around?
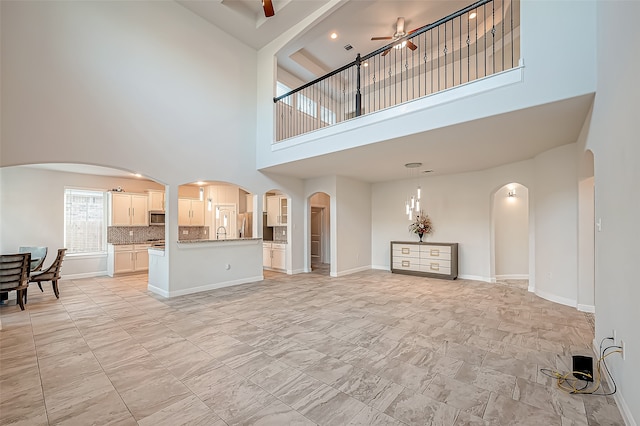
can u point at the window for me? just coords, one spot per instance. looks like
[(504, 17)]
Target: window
[(281, 89), (84, 221), (327, 116), (306, 105)]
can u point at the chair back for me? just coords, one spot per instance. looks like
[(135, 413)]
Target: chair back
[(38, 254), (14, 271), (53, 271)]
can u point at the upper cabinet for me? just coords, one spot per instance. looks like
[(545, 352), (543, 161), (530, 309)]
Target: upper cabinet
[(190, 212), (156, 200), (277, 210), (128, 209)]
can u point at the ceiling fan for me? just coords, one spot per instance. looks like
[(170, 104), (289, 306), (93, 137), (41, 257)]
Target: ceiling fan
[(398, 35), (267, 6)]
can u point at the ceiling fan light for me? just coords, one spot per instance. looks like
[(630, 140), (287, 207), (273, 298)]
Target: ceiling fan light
[(401, 45)]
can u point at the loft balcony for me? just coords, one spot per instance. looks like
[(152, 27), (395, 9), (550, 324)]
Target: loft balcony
[(476, 42)]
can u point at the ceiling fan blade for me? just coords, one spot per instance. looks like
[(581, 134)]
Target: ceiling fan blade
[(411, 45), (386, 52), (381, 38), (267, 6), (400, 26)]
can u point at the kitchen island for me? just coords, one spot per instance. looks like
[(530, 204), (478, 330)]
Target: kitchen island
[(192, 266)]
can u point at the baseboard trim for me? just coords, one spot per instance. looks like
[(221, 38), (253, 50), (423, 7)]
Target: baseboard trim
[(298, 271), (513, 277), (381, 267), (474, 278), (207, 287), (557, 299), (84, 275), (352, 271), (586, 308)]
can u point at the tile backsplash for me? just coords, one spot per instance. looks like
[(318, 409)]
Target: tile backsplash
[(142, 234), (134, 234), (280, 234)]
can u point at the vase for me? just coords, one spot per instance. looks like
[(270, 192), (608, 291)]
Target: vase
[(420, 234)]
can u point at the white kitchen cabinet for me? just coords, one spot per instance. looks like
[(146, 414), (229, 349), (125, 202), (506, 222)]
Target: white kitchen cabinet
[(156, 200), (124, 258), (274, 255), (277, 210), (190, 212), (128, 209)]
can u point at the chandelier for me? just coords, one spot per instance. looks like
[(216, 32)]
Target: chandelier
[(412, 204)]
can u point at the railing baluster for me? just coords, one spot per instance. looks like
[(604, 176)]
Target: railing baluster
[(395, 73)]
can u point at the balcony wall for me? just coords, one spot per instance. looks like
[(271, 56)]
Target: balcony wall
[(557, 62)]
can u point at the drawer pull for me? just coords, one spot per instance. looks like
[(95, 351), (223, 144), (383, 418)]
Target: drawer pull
[(405, 250), (406, 263), (435, 252), (434, 267)]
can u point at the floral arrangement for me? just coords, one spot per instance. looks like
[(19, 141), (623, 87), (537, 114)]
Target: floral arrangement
[(422, 224)]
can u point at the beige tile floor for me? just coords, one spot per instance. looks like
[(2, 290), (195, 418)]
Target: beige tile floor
[(372, 348)]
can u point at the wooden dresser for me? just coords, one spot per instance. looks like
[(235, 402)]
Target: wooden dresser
[(437, 260)]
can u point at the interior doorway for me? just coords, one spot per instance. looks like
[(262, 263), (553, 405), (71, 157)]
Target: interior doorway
[(319, 226)]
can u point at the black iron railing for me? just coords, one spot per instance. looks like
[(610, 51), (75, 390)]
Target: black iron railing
[(480, 40)]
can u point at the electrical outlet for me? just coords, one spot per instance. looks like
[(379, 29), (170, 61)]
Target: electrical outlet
[(622, 349)]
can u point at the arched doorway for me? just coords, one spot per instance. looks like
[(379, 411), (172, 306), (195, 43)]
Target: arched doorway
[(319, 235), (510, 235)]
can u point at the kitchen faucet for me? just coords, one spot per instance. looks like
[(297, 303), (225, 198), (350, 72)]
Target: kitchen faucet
[(224, 232)]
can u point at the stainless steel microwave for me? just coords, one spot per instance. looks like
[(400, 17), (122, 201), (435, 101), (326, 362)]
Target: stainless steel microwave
[(156, 218)]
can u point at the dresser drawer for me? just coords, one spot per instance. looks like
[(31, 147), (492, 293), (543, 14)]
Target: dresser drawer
[(435, 252), (406, 250), (408, 264), (436, 267)]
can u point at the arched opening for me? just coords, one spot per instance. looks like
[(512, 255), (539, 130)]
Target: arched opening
[(319, 233), (510, 235), (276, 249), (214, 210), (586, 234)]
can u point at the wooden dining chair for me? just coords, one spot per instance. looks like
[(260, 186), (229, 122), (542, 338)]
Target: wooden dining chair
[(14, 275), (52, 273)]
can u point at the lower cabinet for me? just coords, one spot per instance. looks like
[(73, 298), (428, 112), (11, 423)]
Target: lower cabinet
[(123, 258), (438, 260), (274, 255)]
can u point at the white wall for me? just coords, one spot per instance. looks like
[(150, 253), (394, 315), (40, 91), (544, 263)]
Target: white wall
[(139, 86), (536, 83), (353, 225), (459, 206), (613, 138), (511, 232), (32, 211), (556, 224)]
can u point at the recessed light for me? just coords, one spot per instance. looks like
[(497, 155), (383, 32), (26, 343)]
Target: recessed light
[(334, 36), (472, 15)]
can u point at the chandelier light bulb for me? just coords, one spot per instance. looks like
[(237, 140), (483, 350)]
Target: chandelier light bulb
[(418, 206), (418, 192), (413, 202), (406, 207)]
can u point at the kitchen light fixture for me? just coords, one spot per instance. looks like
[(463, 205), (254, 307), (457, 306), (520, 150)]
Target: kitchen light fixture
[(201, 194), (412, 204), (334, 36), (209, 204)]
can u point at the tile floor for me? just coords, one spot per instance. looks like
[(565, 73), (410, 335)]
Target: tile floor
[(372, 348)]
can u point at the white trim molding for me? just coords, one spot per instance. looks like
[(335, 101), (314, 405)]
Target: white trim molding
[(557, 299), (586, 308), (207, 287)]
